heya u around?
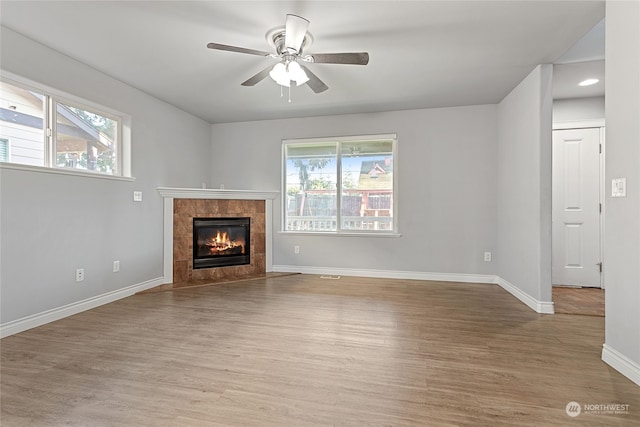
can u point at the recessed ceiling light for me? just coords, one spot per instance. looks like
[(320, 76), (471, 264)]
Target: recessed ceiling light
[(588, 82)]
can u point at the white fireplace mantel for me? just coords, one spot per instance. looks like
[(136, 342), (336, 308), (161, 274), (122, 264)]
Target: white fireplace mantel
[(212, 193), (169, 194)]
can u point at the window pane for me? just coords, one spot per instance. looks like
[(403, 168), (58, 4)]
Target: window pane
[(22, 125), (311, 178), (367, 185), (85, 140)]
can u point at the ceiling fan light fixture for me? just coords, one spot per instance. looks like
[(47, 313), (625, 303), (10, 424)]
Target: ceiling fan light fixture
[(289, 43), (283, 73), (297, 74), (280, 74)]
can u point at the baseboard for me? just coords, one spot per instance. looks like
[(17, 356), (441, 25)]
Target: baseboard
[(621, 363), (387, 274), (25, 323), (542, 307)]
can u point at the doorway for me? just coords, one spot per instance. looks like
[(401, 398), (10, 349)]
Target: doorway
[(577, 205)]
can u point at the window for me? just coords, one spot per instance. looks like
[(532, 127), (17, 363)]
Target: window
[(85, 139), (52, 130), (358, 169), (4, 150)]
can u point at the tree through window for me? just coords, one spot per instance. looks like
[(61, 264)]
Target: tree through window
[(44, 129), (358, 169)]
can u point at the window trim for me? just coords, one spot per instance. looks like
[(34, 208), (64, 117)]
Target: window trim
[(64, 171), (123, 145), (394, 232)]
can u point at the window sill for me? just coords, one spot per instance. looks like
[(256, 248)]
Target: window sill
[(341, 234), (56, 171)]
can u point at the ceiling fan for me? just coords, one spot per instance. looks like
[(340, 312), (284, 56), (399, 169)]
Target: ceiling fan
[(289, 43)]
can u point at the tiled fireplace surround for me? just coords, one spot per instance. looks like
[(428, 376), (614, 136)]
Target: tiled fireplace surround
[(181, 205)]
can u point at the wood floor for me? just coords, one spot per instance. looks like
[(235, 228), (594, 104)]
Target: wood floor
[(583, 301), (300, 350)]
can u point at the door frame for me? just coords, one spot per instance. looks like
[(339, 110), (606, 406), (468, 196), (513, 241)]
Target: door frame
[(590, 124)]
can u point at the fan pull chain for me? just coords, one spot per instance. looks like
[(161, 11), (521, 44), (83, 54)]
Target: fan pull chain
[(288, 93)]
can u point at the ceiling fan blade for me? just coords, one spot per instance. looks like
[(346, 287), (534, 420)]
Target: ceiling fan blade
[(228, 48), (295, 29), (258, 77), (355, 58), (314, 82)]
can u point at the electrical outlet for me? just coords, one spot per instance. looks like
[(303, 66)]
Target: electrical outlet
[(487, 256), (79, 274), (296, 249), (137, 196), (116, 266)]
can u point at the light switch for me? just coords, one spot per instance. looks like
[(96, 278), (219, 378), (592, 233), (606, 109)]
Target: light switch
[(619, 187), (137, 196)]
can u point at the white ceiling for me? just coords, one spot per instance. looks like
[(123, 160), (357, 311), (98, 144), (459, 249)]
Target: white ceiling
[(585, 60), (423, 53)]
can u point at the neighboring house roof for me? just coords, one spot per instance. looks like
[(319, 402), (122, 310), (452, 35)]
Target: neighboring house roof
[(75, 127), (376, 175)]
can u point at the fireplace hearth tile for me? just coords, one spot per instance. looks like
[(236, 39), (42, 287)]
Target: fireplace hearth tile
[(259, 207), (260, 262), (235, 206), (183, 230), (180, 271), (222, 205), (258, 222), (182, 247), (184, 212), (200, 207), (181, 220), (181, 208), (258, 243)]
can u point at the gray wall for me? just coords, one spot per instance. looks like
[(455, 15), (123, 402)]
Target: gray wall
[(447, 180), (622, 215), (578, 109), (524, 185), (52, 224)]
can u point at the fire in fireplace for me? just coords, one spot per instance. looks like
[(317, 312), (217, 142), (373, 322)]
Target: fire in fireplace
[(219, 242)]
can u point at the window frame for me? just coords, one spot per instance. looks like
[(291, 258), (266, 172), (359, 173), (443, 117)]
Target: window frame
[(52, 97), (339, 140)]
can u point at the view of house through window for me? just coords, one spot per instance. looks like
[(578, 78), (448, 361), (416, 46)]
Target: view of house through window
[(22, 125), (85, 140), (358, 169), (44, 130)]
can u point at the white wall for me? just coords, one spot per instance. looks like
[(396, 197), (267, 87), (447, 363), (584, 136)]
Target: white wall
[(52, 224), (622, 215), (447, 180), (524, 186), (578, 109)]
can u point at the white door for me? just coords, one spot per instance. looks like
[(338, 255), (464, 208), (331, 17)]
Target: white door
[(576, 207)]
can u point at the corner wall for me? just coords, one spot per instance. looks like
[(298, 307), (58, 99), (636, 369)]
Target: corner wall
[(53, 224), (622, 215), (524, 190), (446, 191)]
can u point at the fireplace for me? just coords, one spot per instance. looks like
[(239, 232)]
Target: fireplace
[(220, 242)]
